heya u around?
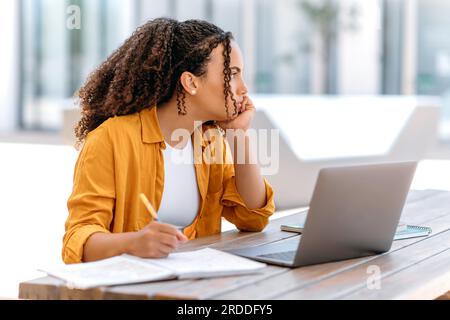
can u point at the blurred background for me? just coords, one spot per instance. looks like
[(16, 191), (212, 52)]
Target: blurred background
[(381, 47), (344, 81)]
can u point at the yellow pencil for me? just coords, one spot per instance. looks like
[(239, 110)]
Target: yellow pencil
[(149, 206)]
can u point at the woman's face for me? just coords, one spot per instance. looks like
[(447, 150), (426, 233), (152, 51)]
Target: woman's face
[(209, 100)]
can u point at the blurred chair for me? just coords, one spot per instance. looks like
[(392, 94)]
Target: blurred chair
[(412, 131)]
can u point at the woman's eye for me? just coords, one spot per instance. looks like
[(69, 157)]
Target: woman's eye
[(233, 75)]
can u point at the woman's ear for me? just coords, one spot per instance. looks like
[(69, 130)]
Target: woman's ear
[(189, 83)]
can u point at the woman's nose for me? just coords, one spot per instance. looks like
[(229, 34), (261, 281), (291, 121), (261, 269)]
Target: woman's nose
[(242, 90)]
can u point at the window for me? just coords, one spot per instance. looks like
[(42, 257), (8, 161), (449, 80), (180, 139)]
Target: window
[(56, 59), (433, 62)]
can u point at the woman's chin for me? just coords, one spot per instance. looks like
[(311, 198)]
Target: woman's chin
[(221, 118)]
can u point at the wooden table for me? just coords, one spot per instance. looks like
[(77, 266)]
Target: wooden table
[(417, 268)]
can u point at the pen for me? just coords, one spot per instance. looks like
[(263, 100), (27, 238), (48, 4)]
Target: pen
[(149, 206)]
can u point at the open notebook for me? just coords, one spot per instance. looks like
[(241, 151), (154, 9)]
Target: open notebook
[(126, 269)]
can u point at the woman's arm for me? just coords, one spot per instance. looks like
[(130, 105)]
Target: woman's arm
[(249, 182), (105, 245), (248, 179)]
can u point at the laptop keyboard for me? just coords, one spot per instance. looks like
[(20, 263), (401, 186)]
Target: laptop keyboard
[(284, 255)]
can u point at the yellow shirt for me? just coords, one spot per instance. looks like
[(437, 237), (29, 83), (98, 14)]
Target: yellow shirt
[(123, 157)]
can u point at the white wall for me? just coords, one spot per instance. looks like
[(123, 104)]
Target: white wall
[(9, 59), (151, 9), (290, 30), (359, 52), (192, 9), (248, 41), (410, 48)]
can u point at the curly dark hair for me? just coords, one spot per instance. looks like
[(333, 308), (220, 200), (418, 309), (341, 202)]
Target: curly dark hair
[(145, 71)]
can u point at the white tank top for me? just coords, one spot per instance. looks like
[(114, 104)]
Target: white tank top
[(180, 200)]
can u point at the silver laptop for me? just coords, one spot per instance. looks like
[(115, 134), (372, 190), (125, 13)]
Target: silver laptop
[(354, 212)]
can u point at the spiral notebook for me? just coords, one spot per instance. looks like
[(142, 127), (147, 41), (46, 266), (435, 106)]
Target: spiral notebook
[(404, 231), (412, 232)]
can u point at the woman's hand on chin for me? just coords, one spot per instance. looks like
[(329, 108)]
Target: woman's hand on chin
[(243, 121)]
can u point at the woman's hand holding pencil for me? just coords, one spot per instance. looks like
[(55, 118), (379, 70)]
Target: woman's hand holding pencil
[(157, 239)]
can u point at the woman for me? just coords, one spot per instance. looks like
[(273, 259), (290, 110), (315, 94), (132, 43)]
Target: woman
[(168, 76)]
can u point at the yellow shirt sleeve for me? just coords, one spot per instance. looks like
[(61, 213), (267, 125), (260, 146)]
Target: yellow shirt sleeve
[(235, 210), (92, 200)]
